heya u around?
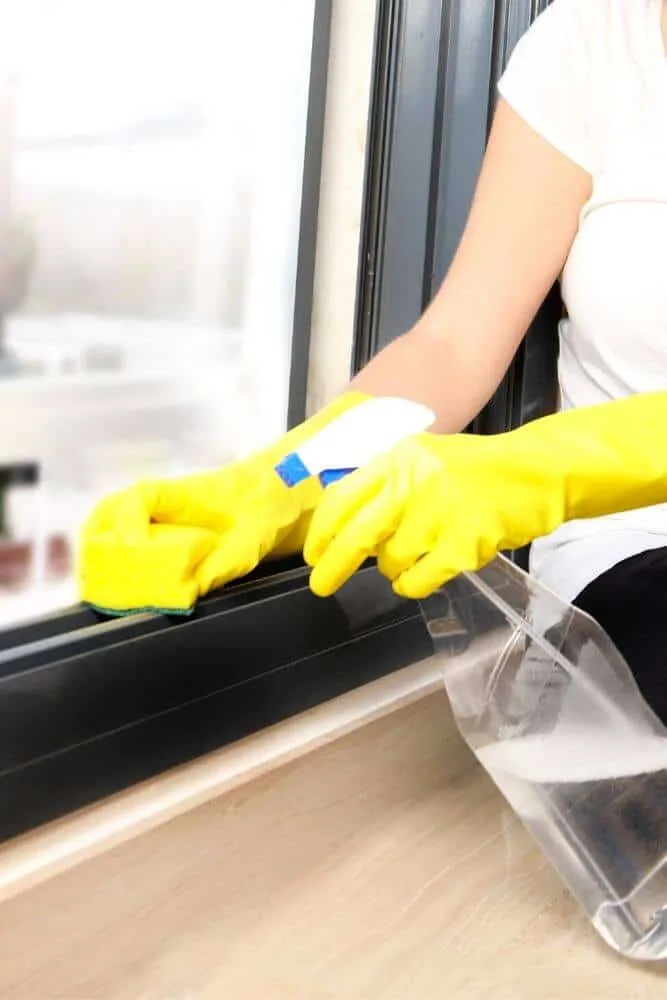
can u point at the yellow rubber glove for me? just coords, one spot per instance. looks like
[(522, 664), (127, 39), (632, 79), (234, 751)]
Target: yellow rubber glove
[(159, 545), (435, 506)]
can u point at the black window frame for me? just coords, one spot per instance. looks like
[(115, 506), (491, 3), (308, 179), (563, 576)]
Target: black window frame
[(432, 104), (89, 706)]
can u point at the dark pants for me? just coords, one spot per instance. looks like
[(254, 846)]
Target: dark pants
[(629, 601)]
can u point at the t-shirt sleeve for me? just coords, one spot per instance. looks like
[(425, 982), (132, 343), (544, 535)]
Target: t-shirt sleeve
[(547, 80)]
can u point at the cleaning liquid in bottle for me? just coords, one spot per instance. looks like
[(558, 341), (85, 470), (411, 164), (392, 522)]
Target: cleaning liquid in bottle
[(554, 716), (598, 809)]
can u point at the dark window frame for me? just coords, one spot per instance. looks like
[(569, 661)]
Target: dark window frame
[(310, 202), (90, 707), (431, 111)]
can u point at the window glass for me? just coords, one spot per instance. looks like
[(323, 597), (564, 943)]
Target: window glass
[(151, 161)]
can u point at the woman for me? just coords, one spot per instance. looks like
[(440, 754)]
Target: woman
[(574, 184)]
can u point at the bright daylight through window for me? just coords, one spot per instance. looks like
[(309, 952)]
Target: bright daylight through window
[(151, 174)]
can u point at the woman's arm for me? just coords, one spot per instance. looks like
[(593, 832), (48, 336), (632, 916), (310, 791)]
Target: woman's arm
[(521, 226)]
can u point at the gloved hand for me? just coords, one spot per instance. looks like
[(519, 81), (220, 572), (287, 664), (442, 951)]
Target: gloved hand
[(160, 545), (434, 506)]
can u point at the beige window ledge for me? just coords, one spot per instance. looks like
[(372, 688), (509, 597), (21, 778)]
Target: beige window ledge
[(61, 845)]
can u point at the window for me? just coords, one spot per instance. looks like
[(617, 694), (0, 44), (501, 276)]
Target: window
[(88, 707), (157, 216)]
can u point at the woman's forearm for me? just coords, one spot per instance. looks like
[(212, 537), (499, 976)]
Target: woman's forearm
[(521, 226), (427, 369)]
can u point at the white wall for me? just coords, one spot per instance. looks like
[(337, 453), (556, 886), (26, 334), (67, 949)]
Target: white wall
[(346, 121)]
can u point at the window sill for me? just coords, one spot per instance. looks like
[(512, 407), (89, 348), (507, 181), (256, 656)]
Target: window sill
[(60, 846), (89, 708), (382, 865)]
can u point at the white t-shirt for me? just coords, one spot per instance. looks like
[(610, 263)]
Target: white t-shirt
[(591, 77)]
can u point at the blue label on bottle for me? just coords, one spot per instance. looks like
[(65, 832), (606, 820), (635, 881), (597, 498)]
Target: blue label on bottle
[(330, 476), (292, 470)]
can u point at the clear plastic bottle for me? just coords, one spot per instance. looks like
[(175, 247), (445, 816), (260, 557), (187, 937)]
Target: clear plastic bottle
[(553, 714)]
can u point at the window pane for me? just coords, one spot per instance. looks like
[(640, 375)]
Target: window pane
[(151, 158)]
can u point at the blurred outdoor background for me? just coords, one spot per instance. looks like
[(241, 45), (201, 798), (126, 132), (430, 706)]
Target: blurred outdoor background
[(151, 159)]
